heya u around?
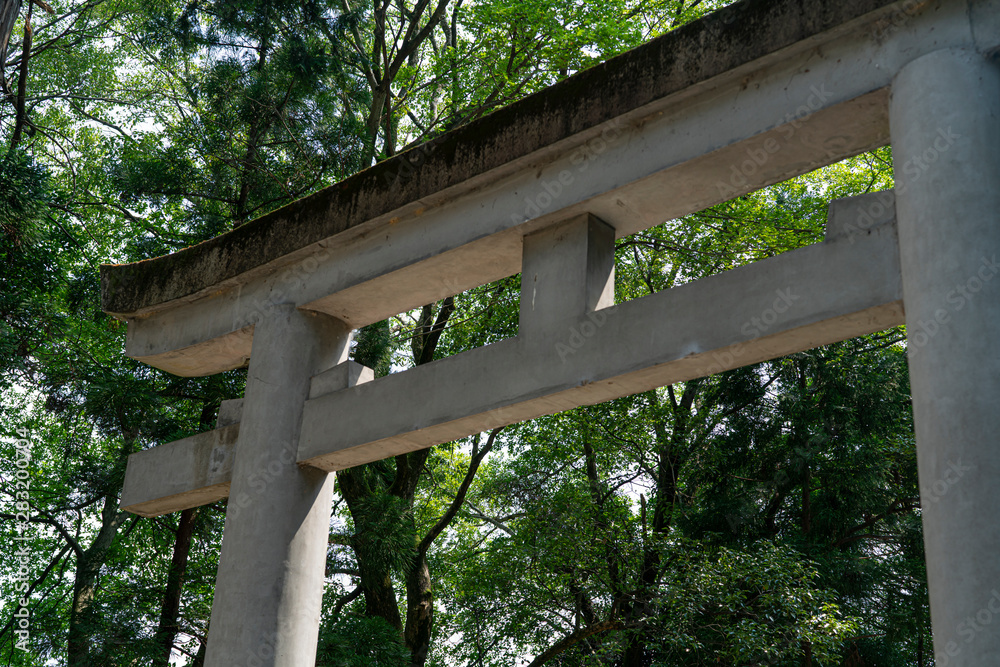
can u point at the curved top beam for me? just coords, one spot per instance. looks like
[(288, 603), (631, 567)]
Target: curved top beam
[(477, 153)]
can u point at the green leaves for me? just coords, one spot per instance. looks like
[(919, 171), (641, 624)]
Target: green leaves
[(24, 194), (357, 641), (743, 519)]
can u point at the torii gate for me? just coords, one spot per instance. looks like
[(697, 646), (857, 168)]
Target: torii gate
[(757, 93)]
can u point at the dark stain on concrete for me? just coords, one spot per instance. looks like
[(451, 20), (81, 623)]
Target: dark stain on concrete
[(713, 45)]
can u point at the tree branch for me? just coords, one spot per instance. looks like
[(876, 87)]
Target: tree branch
[(344, 601), (574, 638), (463, 489)]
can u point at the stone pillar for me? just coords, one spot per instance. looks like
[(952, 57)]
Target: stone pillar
[(567, 270), (269, 588), (945, 123)]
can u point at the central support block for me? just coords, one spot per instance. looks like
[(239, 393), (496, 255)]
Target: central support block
[(269, 589), (567, 270), (847, 286)]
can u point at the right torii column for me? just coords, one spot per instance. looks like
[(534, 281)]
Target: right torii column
[(945, 123)]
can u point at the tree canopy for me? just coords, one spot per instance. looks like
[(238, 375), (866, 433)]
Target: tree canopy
[(768, 515)]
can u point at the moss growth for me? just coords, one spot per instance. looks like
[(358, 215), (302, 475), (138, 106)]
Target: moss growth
[(698, 51)]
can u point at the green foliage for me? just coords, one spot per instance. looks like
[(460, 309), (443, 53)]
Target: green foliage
[(256, 115), (372, 347), (385, 532), (30, 262), (759, 605), (24, 193), (744, 519), (356, 641)]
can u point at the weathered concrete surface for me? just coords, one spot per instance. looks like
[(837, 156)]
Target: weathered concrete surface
[(847, 286), (341, 376), (186, 473), (269, 586), (230, 412), (196, 471), (475, 240), (854, 217), (695, 53), (851, 224), (569, 271), (985, 18), (946, 148), (786, 112)]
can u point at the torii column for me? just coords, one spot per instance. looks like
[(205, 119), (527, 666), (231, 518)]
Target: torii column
[(269, 588), (945, 122)]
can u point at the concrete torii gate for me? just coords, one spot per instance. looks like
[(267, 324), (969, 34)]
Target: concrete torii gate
[(757, 93)]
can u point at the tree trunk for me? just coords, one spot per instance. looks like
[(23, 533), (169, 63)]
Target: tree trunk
[(376, 579), (88, 566), (361, 484), (669, 446), (806, 499), (419, 611), (372, 125), (258, 126), (9, 9), (920, 632), (199, 658), (169, 627), (20, 114)]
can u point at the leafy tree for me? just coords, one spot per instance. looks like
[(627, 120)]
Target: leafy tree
[(253, 115), (767, 515)]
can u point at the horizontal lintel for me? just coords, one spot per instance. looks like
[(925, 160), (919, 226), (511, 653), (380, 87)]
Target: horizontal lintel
[(847, 286), (182, 474), (782, 114), (198, 470), (724, 41)]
